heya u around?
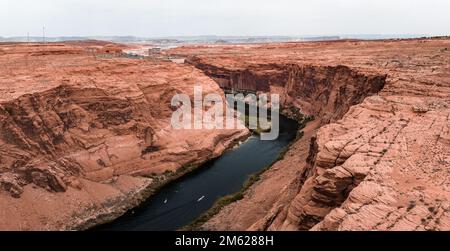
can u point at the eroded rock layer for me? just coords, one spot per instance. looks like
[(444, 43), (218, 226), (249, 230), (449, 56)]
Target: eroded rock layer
[(85, 134), (381, 157)]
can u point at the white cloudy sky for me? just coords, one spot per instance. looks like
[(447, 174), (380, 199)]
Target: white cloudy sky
[(223, 17)]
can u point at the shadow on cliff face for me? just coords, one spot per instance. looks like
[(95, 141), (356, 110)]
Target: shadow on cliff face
[(325, 92)]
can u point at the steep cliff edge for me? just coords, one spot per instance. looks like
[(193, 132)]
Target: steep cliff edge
[(86, 135), (326, 92), (378, 161)]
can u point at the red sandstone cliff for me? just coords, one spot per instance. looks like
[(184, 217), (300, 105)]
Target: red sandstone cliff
[(380, 161), (85, 135)]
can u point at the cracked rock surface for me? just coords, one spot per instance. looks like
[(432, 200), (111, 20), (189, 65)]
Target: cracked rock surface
[(380, 159)]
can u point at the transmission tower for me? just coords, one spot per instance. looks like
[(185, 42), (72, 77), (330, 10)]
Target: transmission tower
[(43, 34)]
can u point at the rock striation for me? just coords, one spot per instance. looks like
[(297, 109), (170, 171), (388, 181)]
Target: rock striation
[(377, 157), (85, 134)]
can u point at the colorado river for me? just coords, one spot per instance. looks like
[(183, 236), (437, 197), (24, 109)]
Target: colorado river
[(181, 202)]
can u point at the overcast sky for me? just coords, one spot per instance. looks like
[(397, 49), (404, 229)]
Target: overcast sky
[(154, 18)]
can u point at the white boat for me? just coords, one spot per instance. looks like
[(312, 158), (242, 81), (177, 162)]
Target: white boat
[(165, 201), (201, 198)]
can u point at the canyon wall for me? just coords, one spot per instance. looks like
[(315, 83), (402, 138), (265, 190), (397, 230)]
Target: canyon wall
[(380, 158), (86, 135), (325, 92)]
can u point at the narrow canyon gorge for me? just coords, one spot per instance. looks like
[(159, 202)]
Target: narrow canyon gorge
[(85, 133), (377, 155)]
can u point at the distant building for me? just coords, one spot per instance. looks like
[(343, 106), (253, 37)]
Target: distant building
[(154, 52)]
